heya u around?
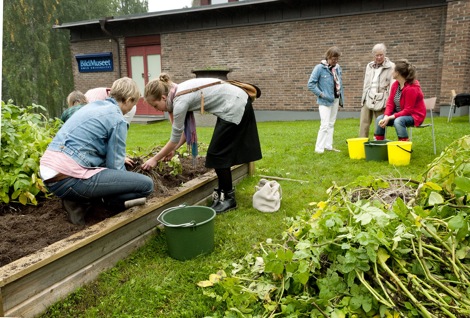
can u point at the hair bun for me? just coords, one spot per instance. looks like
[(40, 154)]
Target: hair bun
[(164, 77)]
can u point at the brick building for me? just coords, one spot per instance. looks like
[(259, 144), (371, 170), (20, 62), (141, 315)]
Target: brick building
[(276, 44)]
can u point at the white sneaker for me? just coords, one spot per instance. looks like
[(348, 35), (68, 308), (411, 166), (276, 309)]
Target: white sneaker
[(333, 149)]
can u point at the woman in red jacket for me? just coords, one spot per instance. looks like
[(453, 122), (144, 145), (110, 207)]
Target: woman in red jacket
[(405, 105)]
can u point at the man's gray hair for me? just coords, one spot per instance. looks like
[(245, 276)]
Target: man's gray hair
[(379, 47)]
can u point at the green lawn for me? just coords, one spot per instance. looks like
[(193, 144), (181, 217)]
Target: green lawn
[(151, 284)]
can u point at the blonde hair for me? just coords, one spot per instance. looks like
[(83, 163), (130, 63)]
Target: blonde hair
[(76, 97), (123, 89), (158, 87)]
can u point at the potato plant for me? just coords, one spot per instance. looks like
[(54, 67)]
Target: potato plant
[(374, 248), (25, 134)]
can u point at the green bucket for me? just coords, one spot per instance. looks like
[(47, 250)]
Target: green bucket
[(376, 150), (189, 231)]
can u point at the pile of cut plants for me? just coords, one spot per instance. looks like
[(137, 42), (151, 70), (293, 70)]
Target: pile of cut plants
[(377, 247)]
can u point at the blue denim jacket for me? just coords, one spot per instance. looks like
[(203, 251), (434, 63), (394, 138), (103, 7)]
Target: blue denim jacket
[(95, 136), (321, 81)]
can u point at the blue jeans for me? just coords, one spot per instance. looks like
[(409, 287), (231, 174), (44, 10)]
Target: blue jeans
[(113, 187), (399, 123)]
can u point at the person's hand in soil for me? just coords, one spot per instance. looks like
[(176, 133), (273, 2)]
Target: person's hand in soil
[(167, 150), (149, 164), (129, 162)]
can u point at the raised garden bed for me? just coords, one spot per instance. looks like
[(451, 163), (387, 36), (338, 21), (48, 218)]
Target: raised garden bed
[(31, 284)]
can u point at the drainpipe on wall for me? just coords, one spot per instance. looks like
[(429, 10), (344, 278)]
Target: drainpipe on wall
[(103, 28)]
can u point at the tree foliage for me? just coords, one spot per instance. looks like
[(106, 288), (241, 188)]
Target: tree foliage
[(36, 59)]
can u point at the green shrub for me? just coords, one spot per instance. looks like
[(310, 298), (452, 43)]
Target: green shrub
[(25, 134)]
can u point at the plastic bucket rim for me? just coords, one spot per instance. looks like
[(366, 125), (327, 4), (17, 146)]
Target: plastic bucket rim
[(357, 139), (189, 224), (377, 142), (375, 145)]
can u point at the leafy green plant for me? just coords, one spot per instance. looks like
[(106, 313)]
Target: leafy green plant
[(174, 165), (369, 250), (25, 134), (451, 170)]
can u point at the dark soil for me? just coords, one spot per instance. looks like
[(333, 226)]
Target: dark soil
[(26, 229)]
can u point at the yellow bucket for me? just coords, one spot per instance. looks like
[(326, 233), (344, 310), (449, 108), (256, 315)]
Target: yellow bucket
[(399, 153), (356, 148)]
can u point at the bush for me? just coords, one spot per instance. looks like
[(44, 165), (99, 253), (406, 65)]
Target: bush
[(25, 134)]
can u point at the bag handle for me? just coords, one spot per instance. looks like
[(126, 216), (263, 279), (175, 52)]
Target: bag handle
[(195, 89)]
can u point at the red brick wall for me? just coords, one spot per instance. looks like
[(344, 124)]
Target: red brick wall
[(456, 73), (280, 57)]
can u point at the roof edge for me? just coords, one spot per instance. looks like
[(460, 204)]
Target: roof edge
[(147, 15)]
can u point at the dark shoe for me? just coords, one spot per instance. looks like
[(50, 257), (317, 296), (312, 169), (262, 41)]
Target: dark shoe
[(226, 202), (75, 211), (215, 198), (130, 203)]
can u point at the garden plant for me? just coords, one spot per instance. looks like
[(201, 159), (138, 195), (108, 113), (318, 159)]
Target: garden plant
[(284, 264)]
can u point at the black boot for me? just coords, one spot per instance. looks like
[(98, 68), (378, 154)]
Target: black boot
[(215, 197), (226, 202), (75, 211)]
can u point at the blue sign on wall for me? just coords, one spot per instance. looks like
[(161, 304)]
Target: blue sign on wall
[(97, 62)]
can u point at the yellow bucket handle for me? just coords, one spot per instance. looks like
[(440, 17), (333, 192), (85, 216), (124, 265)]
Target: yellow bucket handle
[(409, 151)]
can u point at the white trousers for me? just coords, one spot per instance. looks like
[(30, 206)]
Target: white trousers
[(327, 126)]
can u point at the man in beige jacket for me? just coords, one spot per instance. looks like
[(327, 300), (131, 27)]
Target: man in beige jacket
[(377, 81)]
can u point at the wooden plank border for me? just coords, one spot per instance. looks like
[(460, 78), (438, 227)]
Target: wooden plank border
[(28, 286)]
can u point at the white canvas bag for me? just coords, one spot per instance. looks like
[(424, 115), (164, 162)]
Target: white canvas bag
[(267, 197)]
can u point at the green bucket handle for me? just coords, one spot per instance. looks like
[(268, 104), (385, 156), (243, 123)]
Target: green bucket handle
[(408, 151), (189, 224)]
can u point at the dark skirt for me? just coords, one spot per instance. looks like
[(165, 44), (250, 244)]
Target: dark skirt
[(233, 144)]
